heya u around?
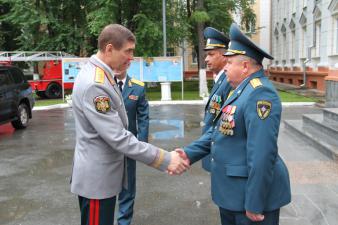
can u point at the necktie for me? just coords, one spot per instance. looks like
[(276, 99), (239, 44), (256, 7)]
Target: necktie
[(120, 84)]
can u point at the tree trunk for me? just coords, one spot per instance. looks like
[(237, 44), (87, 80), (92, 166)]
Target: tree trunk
[(203, 87)]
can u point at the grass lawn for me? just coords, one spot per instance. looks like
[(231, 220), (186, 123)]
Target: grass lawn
[(46, 102), (191, 92), (292, 97)]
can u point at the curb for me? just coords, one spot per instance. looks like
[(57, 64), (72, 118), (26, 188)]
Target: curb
[(155, 103)]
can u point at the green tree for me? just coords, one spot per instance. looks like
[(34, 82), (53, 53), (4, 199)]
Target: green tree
[(73, 26)]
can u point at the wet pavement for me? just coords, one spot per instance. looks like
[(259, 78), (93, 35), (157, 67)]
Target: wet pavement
[(35, 165)]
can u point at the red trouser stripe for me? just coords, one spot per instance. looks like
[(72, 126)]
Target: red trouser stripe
[(97, 212), (94, 212), (91, 211)]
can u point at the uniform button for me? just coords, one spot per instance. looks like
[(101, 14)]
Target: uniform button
[(212, 159), (212, 143)]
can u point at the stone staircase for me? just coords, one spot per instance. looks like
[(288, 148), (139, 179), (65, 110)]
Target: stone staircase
[(319, 130)]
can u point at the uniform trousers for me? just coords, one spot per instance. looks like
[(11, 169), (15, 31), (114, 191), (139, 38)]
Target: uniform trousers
[(239, 218), (97, 211), (127, 196)]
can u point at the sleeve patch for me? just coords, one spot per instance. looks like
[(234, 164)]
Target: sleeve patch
[(102, 104), (263, 109), (255, 83), (138, 82)]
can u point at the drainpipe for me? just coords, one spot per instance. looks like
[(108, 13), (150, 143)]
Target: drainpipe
[(307, 60), (303, 85)]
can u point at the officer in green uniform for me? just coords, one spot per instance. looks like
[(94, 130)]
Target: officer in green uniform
[(133, 93), (216, 46), (249, 180)]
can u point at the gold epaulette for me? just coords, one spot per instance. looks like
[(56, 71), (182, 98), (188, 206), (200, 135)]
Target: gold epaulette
[(159, 159), (138, 82), (255, 82), (99, 75)]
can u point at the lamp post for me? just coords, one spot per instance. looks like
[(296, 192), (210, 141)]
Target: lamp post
[(164, 29)]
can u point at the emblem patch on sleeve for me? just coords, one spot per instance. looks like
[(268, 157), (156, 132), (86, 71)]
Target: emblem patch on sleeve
[(102, 104), (263, 109)]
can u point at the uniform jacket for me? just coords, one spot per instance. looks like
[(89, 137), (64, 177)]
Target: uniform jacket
[(137, 108), (246, 171), (102, 138), (218, 95)]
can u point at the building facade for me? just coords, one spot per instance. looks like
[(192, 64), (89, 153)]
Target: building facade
[(304, 41), (260, 32)]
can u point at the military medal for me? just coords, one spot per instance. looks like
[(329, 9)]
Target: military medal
[(215, 105), (227, 120)]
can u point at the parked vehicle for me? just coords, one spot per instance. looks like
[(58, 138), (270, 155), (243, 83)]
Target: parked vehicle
[(45, 70), (47, 82), (16, 97)]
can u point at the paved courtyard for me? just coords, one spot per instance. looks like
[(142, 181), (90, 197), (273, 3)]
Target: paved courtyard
[(35, 165)]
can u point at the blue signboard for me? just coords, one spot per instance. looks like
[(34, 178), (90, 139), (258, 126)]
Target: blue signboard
[(159, 69), (71, 67), (154, 69), (134, 70)]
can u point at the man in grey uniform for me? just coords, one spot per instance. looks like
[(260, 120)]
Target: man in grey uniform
[(102, 138)]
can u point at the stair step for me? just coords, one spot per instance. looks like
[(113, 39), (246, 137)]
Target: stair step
[(314, 138), (331, 115), (314, 123)]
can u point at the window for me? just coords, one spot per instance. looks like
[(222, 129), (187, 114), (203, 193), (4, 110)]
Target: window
[(317, 36), (16, 76), (292, 45), (336, 35), (252, 28), (3, 78), (194, 57), (292, 50), (317, 16), (293, 6), (170, 52), (304, 3), (303, 40)]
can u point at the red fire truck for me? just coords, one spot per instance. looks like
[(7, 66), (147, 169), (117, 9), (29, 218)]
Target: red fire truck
[(46, 79)]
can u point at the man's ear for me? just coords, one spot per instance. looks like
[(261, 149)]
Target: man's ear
[(246, 66), (109, 48)]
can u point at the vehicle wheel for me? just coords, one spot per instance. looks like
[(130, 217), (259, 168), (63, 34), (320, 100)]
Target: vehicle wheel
[(54, 90), (41, 94), (23, 117)]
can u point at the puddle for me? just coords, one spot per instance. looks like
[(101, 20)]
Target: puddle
[(166, 129)]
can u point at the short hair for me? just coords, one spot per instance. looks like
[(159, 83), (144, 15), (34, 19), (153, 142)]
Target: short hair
[(247, 58), (115, 34)]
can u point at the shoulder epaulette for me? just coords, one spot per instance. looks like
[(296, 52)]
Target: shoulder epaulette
[(99, 75), (138, 82), (255, 82)]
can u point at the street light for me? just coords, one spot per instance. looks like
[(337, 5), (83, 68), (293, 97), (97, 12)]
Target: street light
[(164, 29)]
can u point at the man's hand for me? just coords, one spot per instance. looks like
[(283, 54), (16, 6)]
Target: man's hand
[(182, 154), (177, 164), (254, 217)]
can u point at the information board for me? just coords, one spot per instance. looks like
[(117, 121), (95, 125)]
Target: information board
[(153, 69), (135, 69), (159, 69), (71, 67)]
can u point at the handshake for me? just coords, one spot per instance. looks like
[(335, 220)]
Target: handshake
[(179, 162)]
